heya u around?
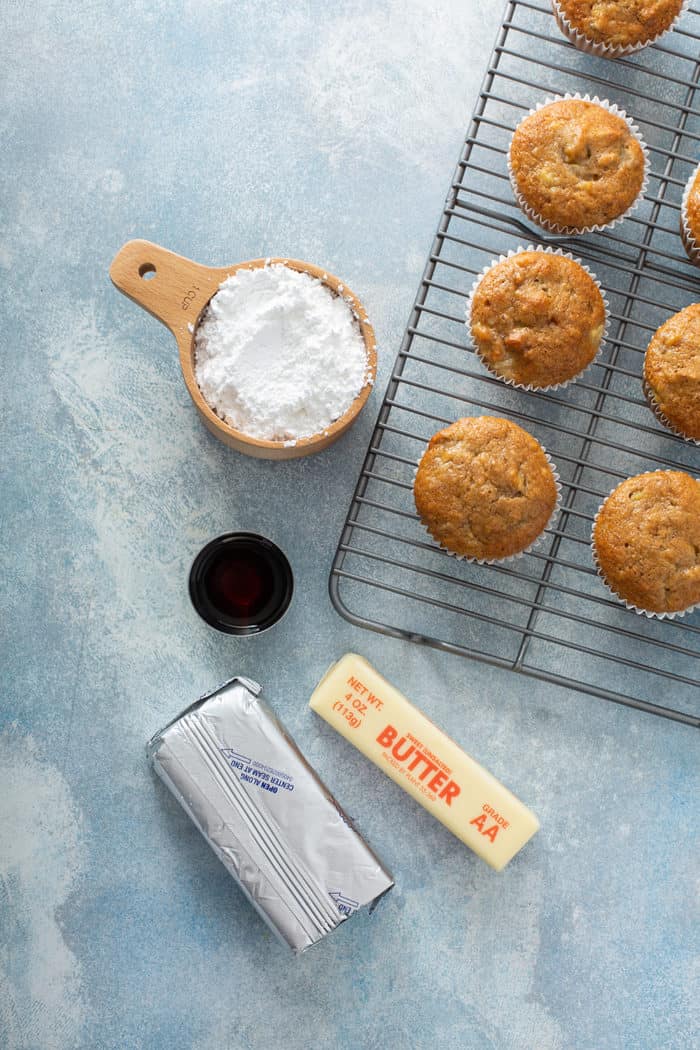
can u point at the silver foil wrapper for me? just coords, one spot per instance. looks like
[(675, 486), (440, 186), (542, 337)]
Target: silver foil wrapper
[(267, 815)]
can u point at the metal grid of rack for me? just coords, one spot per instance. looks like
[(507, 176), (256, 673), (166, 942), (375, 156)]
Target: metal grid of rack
[(547, 614)]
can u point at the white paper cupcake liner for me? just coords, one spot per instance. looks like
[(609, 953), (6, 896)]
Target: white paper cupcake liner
[(594, 47), (547, 250), (690, 244), (537, 542), (569, 231), (628, 605), (663, 419)]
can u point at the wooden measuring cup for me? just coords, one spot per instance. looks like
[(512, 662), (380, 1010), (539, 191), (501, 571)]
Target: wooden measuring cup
[(176, 291)]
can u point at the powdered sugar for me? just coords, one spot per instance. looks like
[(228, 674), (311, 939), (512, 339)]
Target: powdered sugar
[(277, 355)]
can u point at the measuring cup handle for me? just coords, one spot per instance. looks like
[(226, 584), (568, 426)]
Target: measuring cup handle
[(172, 288)]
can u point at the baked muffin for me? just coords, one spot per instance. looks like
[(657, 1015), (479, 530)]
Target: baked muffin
[(537, 319), (672, 372), (646, 541), (576, 165), (484, 488), (690, 217), (615, 27)]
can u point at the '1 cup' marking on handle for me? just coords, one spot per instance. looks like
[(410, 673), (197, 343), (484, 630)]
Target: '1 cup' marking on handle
[(191, 294)]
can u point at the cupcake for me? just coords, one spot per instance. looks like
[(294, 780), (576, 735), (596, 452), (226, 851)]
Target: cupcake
[(536, 318), (610, 28), (690, 217), (576, 165), (485, 489), (646, 542), (672, 373)]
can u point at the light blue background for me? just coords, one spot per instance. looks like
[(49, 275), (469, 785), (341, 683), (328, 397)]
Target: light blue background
[(227, 131)]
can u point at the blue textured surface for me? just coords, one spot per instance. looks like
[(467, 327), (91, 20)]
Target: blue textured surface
[(229, 131)]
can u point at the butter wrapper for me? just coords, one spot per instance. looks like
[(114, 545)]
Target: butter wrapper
[(418, 756), (267, 815)]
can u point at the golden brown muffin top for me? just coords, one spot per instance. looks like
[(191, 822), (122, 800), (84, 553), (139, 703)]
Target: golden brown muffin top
[(537, 318), (620, 23), (484, 488), (692, 207), (577, 164), (672, 370), (647, 541)]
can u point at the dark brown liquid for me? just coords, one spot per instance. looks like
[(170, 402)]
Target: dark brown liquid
[(241, 583)]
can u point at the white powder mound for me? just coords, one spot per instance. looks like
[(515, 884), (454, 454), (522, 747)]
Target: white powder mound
[(277, 355)]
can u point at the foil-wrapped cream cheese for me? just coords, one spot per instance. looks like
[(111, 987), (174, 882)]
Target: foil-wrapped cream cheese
[(267, 815)]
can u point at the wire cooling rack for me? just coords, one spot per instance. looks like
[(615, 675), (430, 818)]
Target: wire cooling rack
[(546, 615)]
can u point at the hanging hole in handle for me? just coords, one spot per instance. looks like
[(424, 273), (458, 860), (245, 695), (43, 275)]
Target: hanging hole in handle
[(147, 271)]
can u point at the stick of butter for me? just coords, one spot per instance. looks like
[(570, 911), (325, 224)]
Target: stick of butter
[(382, 724)]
